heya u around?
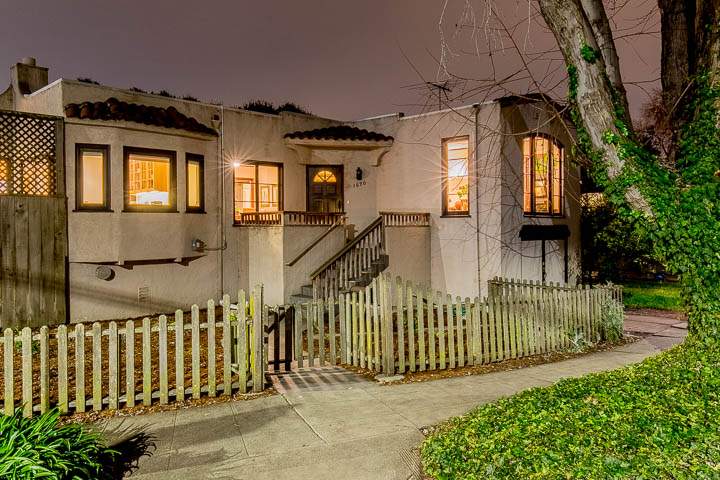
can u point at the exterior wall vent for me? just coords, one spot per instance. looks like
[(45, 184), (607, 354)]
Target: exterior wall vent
[(143, 294)]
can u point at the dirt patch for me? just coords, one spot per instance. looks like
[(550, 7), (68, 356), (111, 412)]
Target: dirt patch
[(505, 365), (92, 417)]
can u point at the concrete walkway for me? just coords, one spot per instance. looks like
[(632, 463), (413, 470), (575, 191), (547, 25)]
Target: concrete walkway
[(336, 425)]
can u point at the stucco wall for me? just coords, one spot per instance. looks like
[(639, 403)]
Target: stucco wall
[(156, 238), (410, 179), (408, 249)]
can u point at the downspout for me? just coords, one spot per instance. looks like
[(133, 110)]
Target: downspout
[(477, 199), (223, 240)]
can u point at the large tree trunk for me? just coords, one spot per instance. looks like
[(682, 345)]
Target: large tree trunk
[(683, 203), (594, 95), (677, 63)]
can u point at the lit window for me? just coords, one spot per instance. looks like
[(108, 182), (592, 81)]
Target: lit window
[(4, 176), (542, 176), (324, 176), (258, 188), (195, 183), (456, 183), (149, 180), (92, 177)]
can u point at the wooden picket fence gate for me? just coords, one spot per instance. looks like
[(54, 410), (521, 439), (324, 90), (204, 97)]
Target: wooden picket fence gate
[(108, 365), (395, 327)]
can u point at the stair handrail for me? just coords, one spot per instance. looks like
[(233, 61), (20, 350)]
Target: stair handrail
[(358, 238), (338, 222)]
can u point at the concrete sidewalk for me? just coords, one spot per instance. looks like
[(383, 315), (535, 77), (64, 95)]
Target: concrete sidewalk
[(338, 425)]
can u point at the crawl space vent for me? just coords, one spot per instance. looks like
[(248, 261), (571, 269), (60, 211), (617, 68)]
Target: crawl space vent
[(143, 294)]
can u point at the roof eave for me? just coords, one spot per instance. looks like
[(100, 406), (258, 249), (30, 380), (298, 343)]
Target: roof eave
[(339, 144)]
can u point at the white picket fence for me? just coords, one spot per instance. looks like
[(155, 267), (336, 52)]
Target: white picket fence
[(108, 365), (395, 327)]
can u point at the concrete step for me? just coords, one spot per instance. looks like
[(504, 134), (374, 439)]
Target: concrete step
[(306, 291), (300, 299)]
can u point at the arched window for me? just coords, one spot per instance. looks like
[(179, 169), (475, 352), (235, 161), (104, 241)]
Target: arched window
[(543, 158), (324, 176)]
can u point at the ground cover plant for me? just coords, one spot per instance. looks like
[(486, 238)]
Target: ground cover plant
[(658, 295), (654, 420), (42, 448)]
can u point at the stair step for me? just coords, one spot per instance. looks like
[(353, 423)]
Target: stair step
[(306, 291)]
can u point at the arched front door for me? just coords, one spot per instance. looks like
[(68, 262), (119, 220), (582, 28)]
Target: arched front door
[(325, 188)]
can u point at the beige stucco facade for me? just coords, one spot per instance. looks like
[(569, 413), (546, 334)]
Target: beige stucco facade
[(157, 270)]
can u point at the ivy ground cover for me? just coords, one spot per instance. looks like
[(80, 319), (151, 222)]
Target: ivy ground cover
[(654, 420)]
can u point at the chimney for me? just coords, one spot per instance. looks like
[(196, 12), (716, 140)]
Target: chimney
[(26, 77)]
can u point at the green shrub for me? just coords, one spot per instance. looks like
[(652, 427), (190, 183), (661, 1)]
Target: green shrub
[(654, 420), (612, 319), (41, 448), (578, 340)]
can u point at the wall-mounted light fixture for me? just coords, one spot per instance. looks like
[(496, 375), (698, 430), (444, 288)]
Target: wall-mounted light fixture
[(358, 174)]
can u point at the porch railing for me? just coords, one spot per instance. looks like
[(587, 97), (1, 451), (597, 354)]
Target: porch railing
[(289, 218), (405, 219)]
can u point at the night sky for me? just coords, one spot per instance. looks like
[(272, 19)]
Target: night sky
[(343, 59)]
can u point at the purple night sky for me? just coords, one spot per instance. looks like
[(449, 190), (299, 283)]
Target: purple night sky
[(340, 59)]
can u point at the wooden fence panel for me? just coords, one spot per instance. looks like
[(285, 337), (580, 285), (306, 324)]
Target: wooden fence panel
[(113, 367), (410, 327), (62, 365), (163, 359), (390, 327), (400, 292)]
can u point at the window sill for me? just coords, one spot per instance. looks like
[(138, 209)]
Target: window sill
[(455, 215), (93, 210), (149, 210), (202, 212), (543, 215)]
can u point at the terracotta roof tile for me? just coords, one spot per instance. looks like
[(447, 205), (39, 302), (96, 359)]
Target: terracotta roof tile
[(340, 132), (114, 109)]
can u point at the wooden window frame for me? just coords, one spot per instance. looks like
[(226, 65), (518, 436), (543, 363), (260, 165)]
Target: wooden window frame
[(532, 212), (200, 160), (79, 206), (172, 194), (281, 186), (445, 211)]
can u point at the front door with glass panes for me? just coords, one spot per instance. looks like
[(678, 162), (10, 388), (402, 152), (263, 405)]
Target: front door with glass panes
[(325, 188)]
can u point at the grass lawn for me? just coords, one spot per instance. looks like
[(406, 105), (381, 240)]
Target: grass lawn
[(654, 420), (660, 295)]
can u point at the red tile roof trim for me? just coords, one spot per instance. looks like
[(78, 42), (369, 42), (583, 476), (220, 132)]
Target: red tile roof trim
[(114, 109), (340, 132)]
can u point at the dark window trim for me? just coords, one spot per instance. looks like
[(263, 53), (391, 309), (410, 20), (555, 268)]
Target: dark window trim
[(172, 208), (199, 159), (281, 185), (79, 148), (308, 181), (444, 168), (532, 212)]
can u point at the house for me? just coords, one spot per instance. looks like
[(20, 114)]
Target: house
[(170, 202)]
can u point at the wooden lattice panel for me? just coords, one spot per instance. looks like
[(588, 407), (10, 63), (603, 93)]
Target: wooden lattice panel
[(27, 154)]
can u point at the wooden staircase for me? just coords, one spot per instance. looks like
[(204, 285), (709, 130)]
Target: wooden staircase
[(354, 266)]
